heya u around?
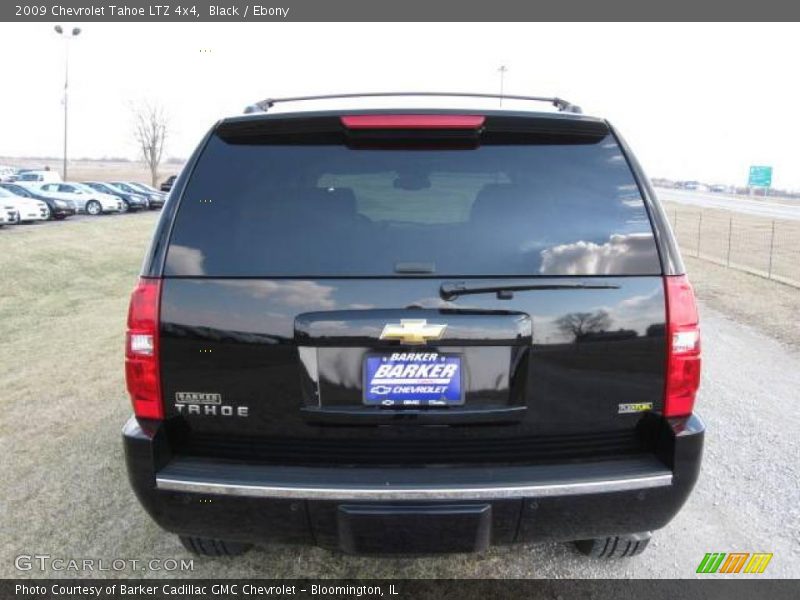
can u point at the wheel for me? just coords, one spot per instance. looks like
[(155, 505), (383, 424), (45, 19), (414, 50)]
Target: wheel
[(211, 547), (94, 208), (49, 216), (615, 546), (126, 207)]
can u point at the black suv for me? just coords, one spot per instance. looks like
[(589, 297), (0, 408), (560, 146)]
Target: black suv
[(167, 184), (413, 331)]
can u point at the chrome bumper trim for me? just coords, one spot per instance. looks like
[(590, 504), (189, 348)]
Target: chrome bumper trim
[(374, 493)]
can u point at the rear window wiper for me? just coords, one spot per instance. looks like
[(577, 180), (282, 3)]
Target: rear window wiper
[(450, 291)]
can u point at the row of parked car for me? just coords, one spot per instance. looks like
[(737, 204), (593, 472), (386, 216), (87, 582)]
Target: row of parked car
[(26, 200)]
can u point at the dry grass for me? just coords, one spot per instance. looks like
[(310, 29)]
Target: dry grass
[(738, 240), (61, 317)]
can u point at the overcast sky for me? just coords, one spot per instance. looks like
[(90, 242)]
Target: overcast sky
[(694, 101)]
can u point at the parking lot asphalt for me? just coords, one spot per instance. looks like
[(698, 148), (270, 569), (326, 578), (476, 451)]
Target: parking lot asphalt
[(66, 492)]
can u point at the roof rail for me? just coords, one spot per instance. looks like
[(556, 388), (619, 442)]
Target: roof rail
[(560, 103)]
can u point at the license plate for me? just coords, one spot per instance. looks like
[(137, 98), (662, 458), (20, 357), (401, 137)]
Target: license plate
[(409, 379)]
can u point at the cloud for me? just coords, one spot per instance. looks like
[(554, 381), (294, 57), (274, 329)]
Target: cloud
[(639, 312), (621, 254), (295, 294), (185, 260)]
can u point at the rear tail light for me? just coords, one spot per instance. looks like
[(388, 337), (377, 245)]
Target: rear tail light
[(142, 373), (413, 121), (683, 347)]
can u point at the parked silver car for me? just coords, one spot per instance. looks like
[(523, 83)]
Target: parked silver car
[(85, 198)]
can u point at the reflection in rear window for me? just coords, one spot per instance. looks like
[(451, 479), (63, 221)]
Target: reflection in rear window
[(329, 210)]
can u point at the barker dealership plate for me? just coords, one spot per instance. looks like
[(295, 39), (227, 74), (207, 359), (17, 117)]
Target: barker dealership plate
[(411, 379)]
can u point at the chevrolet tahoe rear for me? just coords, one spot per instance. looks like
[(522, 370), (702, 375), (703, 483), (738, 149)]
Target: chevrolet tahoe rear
[(413, 331)]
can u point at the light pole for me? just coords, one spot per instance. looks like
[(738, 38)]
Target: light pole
[(502, 70), (67, 36)]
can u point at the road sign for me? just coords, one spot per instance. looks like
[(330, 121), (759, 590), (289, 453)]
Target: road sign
[(760, 177)]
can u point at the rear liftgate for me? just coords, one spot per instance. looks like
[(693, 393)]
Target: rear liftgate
[(417, 366)]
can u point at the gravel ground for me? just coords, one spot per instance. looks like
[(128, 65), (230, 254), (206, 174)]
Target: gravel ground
[(65, 491)]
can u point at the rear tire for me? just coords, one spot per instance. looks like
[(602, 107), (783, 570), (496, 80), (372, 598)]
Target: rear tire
[(615, 546), (212, 547), (94, 208)]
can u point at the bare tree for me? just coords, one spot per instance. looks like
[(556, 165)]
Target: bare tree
[(151, 126), (581, 324)]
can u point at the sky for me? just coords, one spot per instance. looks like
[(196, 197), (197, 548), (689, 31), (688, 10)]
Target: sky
[(694, 101)]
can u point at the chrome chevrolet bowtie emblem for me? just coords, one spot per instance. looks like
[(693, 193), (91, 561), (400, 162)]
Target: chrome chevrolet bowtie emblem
[(412, 331)]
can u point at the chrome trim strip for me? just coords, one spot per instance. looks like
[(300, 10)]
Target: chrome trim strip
[(543, 490)]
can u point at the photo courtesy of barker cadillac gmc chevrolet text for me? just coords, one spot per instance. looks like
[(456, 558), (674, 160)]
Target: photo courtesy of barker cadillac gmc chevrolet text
[(413, 331)]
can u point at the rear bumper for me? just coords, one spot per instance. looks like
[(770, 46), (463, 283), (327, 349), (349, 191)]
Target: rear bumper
[(417, 509), (204, 476)]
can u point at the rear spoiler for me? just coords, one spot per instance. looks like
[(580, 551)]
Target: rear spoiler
[(352, 127)]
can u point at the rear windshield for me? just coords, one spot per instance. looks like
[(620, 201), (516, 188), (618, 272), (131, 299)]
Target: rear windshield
[(330, 210)]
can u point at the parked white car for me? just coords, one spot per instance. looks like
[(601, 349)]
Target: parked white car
[(85, 198), (28, 209), (8, 213), (38, 176)]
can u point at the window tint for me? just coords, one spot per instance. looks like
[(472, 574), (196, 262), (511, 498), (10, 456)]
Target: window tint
[(330, 210)]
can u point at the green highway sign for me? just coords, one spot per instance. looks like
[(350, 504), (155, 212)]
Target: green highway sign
[(760, 177)]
